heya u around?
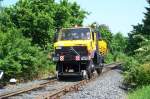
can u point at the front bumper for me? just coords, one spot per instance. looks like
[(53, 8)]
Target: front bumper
[(71, 53), (71, 58)]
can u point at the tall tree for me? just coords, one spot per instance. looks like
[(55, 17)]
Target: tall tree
[(135, 38), (118, 43), (146, 21), (37, 19), (105, 32), (140, 33), (69, 14), (34, 19)]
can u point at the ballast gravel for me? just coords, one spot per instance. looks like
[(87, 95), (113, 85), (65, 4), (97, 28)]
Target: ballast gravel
[(107, 86)]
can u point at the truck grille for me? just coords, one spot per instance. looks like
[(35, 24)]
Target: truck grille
[(70, 52)]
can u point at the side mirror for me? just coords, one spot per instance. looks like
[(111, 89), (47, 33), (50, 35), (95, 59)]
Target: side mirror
[(55, 37)]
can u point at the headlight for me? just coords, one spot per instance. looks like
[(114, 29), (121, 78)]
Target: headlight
[(55, 58), (58, 47), (85, 58)]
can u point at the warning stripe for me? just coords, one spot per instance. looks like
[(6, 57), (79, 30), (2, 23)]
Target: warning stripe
[(77, 58), (61, 58)]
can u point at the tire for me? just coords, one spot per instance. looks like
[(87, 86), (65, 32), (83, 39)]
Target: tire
[(59, 67), (59, 78), (84, 76), (99, 71), (89, 70), (89, 73), (59, 70)]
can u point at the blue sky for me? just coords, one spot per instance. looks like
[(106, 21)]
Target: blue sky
[(119, 15)]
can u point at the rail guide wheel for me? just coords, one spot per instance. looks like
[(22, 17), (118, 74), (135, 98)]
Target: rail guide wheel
[(84, 74), (89, 74), (58, 77), (89, 70), (99, 70)]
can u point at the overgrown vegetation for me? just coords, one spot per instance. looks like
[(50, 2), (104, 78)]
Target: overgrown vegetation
[(139, 48), (26, 35), (19, 58), (136, 58), (134, 52)]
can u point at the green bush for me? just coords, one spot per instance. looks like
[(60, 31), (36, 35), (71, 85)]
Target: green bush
[(130, 63), (127, 62), (134, 73), (109, 58), (19, 58), (137, 68), (120, 57), (138, 75)]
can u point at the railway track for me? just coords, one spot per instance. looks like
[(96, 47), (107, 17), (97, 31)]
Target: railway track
[(51, 89), (27, 88)]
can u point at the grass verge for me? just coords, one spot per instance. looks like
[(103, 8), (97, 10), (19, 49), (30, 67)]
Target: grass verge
[(140, 93)]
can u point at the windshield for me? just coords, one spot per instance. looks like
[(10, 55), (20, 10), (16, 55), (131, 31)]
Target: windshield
[(75, 34)]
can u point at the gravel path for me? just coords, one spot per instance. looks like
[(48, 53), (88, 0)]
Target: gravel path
[(105, 87)]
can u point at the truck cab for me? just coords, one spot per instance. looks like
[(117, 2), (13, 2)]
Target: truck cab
[(78, 51)]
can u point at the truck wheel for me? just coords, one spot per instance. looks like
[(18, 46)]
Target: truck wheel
[(99, 70), (58, 71), (89, 70), (84, 74), (60, 77), (89, 73), (57, 75)]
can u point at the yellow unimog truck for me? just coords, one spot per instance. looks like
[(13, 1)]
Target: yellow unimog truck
[(79, 51)]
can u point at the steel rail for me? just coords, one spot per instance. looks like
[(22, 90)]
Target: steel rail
[(25, 89)]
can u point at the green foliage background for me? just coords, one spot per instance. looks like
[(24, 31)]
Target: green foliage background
[(133, 51), (26, 35), (139, 48)]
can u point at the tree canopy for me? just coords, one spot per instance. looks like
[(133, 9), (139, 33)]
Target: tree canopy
[(38, 19), (140, 33), (26, 32)]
